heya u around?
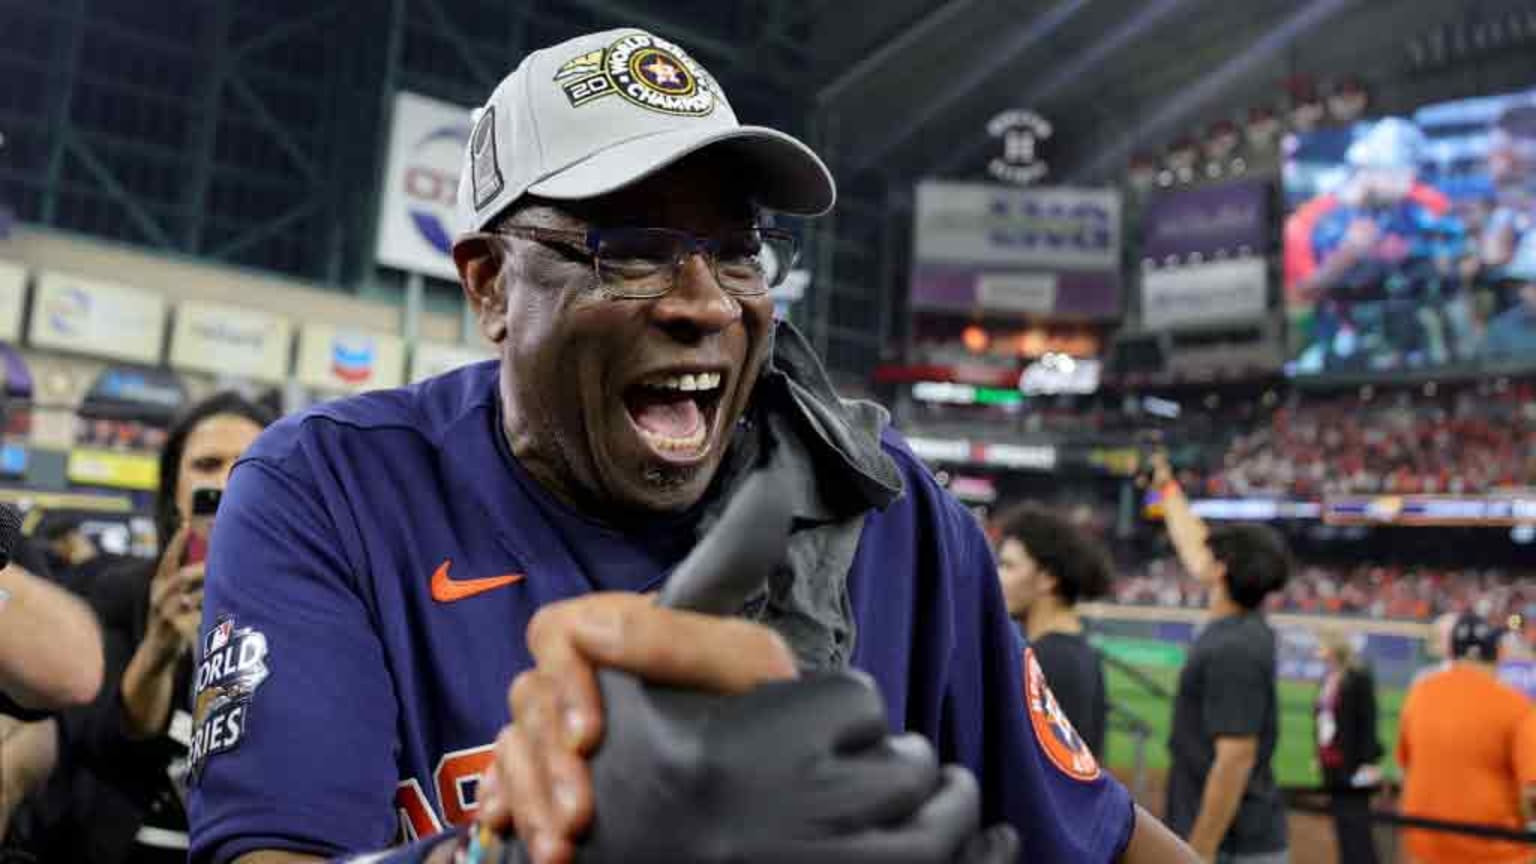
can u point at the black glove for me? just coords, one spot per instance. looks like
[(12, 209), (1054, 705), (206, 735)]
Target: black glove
[(792, 771)]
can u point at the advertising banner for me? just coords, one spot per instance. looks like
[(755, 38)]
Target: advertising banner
[(1047, 251), (1207, 220), (96, 317), (1047, 295), (343, 360), (1218, 292), (421, 179), (229, 340), (144, 395), (13, 289), (430, 359), (1441, 510), (114, 469)]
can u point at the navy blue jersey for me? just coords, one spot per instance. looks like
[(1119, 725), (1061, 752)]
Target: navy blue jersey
[(374, 566)]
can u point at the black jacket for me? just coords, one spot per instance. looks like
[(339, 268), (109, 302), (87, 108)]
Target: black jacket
[(104, 783), (1355, 715)]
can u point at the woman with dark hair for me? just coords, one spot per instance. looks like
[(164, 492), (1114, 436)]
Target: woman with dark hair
[(1046, 564), (127, 752)]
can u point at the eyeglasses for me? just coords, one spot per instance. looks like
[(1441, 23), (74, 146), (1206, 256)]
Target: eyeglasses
[(642, 263)]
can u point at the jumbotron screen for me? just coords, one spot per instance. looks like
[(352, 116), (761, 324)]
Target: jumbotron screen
[(1410, 241)]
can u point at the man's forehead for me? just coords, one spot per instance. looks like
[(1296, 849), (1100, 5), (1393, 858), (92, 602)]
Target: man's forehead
[(693, 194)]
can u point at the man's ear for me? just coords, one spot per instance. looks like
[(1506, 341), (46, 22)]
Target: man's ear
[(1050, 582), (484, 290)]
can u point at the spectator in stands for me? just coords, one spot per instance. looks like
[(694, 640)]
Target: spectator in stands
[(1348, 747), (1459, 440), (1468, 752), (1221, 787), (131, 744), (1509, 239), (1513, 333), (1046, 564)]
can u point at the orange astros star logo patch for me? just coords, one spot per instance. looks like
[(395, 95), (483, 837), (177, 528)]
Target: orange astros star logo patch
[(1053, 731)]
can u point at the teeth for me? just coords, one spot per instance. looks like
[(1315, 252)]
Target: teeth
[(688, 444), (700, 381)]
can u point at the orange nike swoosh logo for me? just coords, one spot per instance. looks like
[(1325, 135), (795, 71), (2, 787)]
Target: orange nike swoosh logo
[(445, 590)]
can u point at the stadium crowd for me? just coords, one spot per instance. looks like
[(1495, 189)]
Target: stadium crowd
[(1373, 590), (1469, 441)]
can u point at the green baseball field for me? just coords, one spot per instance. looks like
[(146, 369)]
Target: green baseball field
[(1294, 756)]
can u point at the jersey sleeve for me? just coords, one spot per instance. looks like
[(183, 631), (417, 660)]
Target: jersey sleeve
[(294, 729), (1002, 723)]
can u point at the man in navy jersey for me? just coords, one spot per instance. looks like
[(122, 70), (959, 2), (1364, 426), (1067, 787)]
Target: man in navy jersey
[(384, 567)]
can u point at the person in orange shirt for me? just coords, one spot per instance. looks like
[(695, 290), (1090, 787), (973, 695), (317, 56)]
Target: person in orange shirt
[(1467, 747)]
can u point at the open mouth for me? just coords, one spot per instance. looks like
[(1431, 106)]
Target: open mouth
[(674, 411)]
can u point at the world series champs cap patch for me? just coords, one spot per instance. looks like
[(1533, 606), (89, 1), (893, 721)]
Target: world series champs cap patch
[(649, 72), (600, 112)]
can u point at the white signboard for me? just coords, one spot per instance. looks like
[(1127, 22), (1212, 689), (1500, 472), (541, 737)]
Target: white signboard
[(1059, 373), (229, 340), (1033, 293), (421, 178), (1042, 228), (13, 289), (430, 359), (1025, 456), (1212, 293), (93, 316), (342, 360), (941, 449)]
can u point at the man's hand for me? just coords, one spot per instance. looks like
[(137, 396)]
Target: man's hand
[(540, 783)]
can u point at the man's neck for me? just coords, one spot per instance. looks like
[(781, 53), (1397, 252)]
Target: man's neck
[(1050, 614), (1223, 606), (1486, 667)]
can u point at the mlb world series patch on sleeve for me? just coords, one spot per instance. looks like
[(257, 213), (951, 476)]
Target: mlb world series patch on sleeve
[(234, 665)]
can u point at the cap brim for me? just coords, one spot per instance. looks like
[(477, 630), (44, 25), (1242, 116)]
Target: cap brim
[(792, 178)]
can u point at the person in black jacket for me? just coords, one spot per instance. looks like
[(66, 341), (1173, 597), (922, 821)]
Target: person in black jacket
[(116, 794), (1347, 744), (1046, 564)]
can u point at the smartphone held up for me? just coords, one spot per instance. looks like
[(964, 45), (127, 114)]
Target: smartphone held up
[(205, 503)]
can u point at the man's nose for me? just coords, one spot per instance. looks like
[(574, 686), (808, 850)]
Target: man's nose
[(697, 304)]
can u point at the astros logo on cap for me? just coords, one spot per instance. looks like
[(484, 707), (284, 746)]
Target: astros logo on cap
[(1053, 731), (646, 71)]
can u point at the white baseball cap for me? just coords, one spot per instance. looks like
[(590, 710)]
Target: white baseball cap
[(599, 112)]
